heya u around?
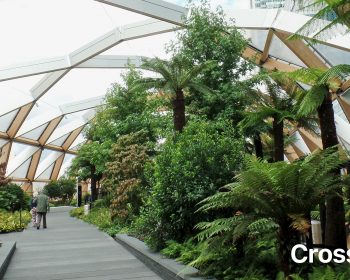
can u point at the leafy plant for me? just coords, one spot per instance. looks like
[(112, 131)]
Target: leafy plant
[(124, 177), (277, 104), (319, 98), (63, 188), (319, 26), (12, 222), (323, 273), (77, 212), (188, 169), (272, 195), (209, 35), (13, 198), (177, 75)]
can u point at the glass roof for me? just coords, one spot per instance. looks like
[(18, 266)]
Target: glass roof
[(50, 27), (43, 102)]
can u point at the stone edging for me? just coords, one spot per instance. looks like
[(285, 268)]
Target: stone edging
[(166, 268), (6, 251)]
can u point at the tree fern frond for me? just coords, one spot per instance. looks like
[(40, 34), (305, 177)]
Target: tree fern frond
[(312, 100), (336, 72), (196, 70), (307, 76), (261, 226), (319, 27), (219, 226), (199, 87)]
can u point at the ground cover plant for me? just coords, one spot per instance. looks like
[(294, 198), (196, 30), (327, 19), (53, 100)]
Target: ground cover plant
[(11, 221)]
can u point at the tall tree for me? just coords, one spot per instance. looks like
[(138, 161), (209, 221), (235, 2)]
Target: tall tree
[(89, 164), (125, 111), (177, 75), (319, 98), (210, 36), (278, 105)]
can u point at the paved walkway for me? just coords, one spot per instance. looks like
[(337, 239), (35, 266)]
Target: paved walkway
[(71, 249)]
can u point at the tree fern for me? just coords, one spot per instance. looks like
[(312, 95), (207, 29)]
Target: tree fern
[(174, 77), (266, 195), (279, 103)]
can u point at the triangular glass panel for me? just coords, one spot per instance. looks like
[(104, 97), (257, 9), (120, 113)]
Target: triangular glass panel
[(47, 173), (60, 141), (22, 170), (35, 133), (6, 120)]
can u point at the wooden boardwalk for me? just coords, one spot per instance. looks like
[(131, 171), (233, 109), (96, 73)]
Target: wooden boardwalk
[(71, 249)]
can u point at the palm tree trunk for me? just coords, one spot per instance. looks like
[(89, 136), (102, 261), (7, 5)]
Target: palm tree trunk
[(335, 233), (287, 238), (278, 139), (179, 111), (258, 146)]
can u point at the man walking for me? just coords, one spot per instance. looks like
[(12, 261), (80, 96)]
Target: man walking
[(42, 207)]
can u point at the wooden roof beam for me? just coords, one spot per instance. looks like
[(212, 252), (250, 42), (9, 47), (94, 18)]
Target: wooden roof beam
[(57, 168), (302, 51)]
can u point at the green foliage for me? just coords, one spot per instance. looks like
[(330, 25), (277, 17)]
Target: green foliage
[(99, 217), (321, 82), (177, 76), (11, 221), (340, 272), (52, 190), (293, 189), (173, 249), (124, 177), (68, 188), (320, 27), (190, 168), (63, 189), (185, 252), (102, 203), (77, 212), (209, 36), (223, 262), (13, 198), (125, 111)]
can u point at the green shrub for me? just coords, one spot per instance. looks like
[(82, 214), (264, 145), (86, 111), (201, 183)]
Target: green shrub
[(173, 249), (62, 190), (185, 253), (340, 272), (99, 217), (77, 212), (203, 158), (124, 176), (101, 203), (13, 198), (11, 221)]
